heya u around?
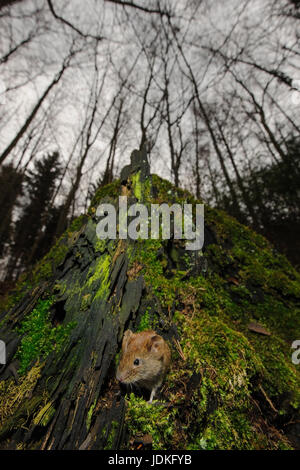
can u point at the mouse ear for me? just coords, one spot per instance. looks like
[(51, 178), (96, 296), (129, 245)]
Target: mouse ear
[(126, 338), (154, 343)]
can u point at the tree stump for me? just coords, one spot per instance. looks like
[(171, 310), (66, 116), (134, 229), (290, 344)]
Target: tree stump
[(228, 388)]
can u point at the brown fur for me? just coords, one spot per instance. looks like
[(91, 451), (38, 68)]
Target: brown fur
[(154, 358)]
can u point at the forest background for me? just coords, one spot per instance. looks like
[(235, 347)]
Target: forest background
[(211, 86)]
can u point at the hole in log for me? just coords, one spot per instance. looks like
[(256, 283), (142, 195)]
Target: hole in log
[(38, 433), (58, 312)]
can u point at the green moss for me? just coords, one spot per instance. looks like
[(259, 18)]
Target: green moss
[(39, 337), (137, 185), (227, 363), (77, 223), (280, 374), (44, 415), (145, 322), (100, 275), (246, 280), (167, 192), (111, 190), (45, 268), (154, 419), (90, 414), (15, 396), (214, 346), (147, 255), (100, 245), (226, 431), (112, 435)]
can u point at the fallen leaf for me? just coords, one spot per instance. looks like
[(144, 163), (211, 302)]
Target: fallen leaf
[(144, 440), (233, 280), (257, 328)]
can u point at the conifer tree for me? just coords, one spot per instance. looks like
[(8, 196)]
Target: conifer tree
[(11, 188), (31, 227)]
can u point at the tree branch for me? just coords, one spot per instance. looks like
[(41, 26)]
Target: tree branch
[(70, 25), (125, 3)]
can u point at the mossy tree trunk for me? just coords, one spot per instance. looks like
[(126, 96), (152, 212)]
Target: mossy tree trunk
[(228, 387)]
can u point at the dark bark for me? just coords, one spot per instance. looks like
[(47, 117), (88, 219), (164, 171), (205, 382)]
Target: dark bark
[(108, 172), (80, 375)]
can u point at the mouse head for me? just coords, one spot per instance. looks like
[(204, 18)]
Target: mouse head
[(142, 357)]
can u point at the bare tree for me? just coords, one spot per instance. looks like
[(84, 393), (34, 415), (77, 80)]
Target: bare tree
[(37, 106)]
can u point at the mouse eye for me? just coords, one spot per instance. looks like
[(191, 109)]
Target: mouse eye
[(136, 362)]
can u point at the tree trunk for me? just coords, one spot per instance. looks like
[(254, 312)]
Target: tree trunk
[(32, 114)]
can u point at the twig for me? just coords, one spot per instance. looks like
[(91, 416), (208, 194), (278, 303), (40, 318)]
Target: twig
[(179, 349), (268, 399)]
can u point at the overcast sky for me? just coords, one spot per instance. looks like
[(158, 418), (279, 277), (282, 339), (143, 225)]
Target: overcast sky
[(27, 73)]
